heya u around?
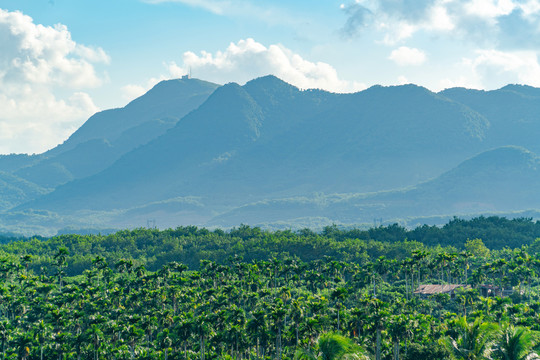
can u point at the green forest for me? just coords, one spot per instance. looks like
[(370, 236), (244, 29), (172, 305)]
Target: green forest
[(467, 290)]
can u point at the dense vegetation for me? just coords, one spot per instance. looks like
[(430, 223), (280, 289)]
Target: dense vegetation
[(247, 293), (189, 245)]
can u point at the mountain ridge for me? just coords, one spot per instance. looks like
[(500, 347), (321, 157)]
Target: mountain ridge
[(267, 140)]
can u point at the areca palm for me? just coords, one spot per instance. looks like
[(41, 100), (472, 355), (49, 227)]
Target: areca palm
[(399, 329), (331, 346), (471, 341), (42, 333), (516, 343), (5, 331)]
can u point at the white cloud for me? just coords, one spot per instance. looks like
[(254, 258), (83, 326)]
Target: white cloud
[(439, 19), (489, 9), (132, 91), (249, 59), (35, 62), (470, 82), (497, 68), (405, 56), (33, 119), (402, 80)]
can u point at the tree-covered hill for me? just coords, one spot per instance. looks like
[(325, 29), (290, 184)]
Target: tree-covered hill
[(268, 153), (268, 138), (502, 178)]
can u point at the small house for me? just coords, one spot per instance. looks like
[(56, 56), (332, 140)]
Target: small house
[(488, 290), (432, 289)]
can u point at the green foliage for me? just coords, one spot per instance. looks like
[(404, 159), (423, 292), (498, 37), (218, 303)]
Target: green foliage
[(271, 305), (427, 351), (477, 248)]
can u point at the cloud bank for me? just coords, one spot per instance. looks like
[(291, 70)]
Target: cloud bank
[(488, 43), (37, 61), (247, 59), (494, 22)]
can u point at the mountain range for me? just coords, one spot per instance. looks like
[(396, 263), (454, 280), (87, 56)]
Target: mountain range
[(193, 152)]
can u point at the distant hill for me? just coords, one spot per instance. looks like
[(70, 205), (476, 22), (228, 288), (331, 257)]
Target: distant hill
[(14, 191), (191, 152), (500, 180), (269, 139), (513, 112), (109, 134)]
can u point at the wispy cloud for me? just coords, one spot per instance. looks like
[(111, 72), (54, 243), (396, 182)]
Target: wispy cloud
[(219, 7), (267, 13), (495, 20)]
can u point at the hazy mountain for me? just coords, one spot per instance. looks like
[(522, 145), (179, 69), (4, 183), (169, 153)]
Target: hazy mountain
[(109, 134), (496, 181), (267, 151), (14, 190), (513, 112), (268, 139), (168, 100)]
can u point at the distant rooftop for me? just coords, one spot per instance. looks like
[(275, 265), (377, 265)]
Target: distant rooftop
[(430, 289)]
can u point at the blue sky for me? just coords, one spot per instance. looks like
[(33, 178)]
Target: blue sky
[(63, 60)]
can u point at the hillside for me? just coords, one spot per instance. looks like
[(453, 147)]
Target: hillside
[(500, 180), (109, 134), (513, 112), (269, 152), (268, 139), (14, 190)]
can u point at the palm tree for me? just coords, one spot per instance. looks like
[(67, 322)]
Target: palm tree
[(42, 332), (399, 328), (378, 315), (95, 335), (5, 331), (339, 295), (297, 314), (23, 343), (257, 329), (331, 346), (164, 341), (516, 343), (471, 341), (61, 263)]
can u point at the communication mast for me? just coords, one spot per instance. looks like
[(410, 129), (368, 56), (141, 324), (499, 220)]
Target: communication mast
[(151, 224)]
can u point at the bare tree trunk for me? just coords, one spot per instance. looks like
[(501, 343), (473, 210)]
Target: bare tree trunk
[(378, 348)]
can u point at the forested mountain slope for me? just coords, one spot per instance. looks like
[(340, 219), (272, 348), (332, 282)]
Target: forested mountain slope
[(268, 149), (109, 134), (268, 138), (502, 179), (513, 112)]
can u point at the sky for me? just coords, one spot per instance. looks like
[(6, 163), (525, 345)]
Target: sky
[(63, 60)]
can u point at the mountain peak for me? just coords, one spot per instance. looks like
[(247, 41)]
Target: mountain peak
[(406, 89), (166, 90), (495, 164), (522, 89), (268, 81)]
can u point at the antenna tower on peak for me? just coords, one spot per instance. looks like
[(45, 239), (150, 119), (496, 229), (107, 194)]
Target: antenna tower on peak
[(188, 75)]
